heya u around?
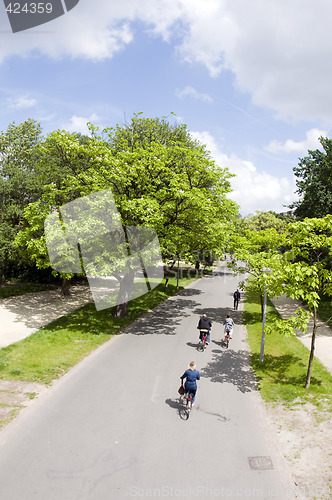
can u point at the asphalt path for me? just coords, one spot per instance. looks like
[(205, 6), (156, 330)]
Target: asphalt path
[(112, 428)]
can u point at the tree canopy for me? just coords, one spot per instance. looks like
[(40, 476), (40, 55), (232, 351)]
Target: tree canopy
[(304, 272), (19, 185), (159, 176), (314, 182)]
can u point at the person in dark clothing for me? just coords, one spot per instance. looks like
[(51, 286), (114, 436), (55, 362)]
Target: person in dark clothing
[(191, 375), (204, 324), (237, 297)]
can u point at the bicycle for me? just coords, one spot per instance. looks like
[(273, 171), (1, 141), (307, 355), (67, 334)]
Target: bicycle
[(187, 402), (202, 343), (227, 338)]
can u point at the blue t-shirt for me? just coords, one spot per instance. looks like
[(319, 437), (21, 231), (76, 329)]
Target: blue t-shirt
[(191, 376)]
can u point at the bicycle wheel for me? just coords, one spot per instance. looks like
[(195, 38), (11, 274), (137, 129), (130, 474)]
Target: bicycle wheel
[(183, 411), (200, 346)]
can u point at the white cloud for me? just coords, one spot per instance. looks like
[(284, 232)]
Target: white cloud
[(290, 146), (191, 92), (79, 124), (22, 102), (252, 190), (278, 51)]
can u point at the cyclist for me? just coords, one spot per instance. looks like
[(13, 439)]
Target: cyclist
[(204, 325), (229, 323), (191, 375)]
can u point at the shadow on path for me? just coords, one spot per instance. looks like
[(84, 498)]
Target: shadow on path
[(163, 319), (232, 367), (218, 314)]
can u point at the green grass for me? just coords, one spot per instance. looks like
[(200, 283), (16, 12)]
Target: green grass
[(325, 310), (50, 352), (13, 289), (281, 376)]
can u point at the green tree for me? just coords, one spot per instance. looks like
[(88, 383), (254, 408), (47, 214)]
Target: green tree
[(304, 273), (19, 185), (314, 182), (255, 255), (160, 177), (266, 220)]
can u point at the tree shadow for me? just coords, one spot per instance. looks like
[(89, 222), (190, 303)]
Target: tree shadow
[(277, 368), (163, 319), (35, 310), (232, 367), (189, 292), (250, 318), (218, 314), (223, 271)]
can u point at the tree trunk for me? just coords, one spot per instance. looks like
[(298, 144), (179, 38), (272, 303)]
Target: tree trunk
[(65, 287), (126, 286), (312, 350), (261, 298)]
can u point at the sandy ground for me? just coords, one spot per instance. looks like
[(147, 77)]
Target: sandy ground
[(304, 436), (25, 314)]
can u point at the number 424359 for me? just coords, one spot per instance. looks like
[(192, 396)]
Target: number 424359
[(29, 8)]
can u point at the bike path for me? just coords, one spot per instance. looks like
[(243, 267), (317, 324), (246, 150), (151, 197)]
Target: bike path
[(111, 427)]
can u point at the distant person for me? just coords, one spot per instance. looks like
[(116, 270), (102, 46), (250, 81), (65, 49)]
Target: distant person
[(237, 297), (228, 323), (191, 375), (204, 325)]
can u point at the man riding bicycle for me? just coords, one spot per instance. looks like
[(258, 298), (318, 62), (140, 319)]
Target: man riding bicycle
[(204, 325)]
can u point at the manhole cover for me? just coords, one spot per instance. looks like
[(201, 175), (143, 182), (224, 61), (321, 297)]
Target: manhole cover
[(260, 463)]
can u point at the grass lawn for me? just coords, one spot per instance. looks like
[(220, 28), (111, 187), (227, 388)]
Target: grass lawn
[(50, 352), (281, 376)]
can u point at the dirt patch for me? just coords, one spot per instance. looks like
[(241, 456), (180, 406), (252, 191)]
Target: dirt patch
[(304, 435), (15, 395)]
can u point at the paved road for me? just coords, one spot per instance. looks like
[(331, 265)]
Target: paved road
[(111, 429)]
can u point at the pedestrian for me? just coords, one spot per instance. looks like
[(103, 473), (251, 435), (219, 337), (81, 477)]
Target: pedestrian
[(191, 375), (237, 297), (204, 325)]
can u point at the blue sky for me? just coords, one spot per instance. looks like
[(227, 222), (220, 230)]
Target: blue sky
[(249, 78)]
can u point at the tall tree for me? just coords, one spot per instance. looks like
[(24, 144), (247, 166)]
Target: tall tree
[(255, 255), (160, 177), (19, 184), (314, 182), (304, 273), (266, 220)]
